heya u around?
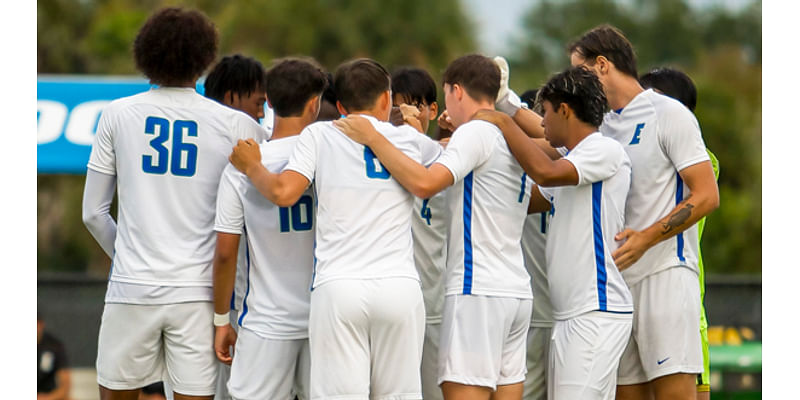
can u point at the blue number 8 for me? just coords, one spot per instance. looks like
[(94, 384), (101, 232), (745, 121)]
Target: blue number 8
[(178, 147)]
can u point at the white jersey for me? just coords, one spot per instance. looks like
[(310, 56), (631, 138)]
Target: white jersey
[(363, 214), (429, 229), (489, 202), (167, 148), (534, 242), (280, 248), (661, 137), (580, 270)]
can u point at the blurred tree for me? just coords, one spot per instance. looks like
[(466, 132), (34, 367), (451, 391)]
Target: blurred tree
[(96, 37), (721, 50)]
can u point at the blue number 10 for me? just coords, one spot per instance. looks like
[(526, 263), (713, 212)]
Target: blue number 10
[(301, 215), (179, 148)]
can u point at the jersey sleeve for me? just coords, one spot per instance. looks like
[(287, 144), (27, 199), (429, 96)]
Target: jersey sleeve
[(430, 149), (304, 156), (547, 192), (247, 128), (103, 158), (470, 146), (595, 160), (230, 211), (680, 138)]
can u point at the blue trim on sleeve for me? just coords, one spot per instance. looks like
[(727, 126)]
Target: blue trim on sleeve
[(247, 292), (599, 251), (468, 234), (678, 199)]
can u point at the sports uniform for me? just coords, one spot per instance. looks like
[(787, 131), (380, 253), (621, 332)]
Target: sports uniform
[(486, 281), (429, 230), (704, 379), (592, 306), (661, 137), (534, 241), (366, 323), (167, 148), (272, 359)]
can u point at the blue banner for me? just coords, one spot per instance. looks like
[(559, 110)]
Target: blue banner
[(67, 111)]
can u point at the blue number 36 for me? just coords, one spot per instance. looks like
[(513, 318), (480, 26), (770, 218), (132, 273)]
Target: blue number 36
[(181, 151)]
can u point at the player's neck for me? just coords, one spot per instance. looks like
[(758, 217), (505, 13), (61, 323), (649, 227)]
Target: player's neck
[(471, 107), (579, 131), (289, 126), (622, 90)]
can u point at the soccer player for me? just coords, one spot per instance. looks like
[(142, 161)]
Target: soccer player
[(164, 150), (585, 194), (679, 86), (414, 90), (672, 187), (238, 82), (272, 360), (367, 317), (488, 299)]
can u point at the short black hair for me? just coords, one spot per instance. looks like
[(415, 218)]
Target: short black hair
[(581, 90), (359, 82), (673, 83), (175, 46), (477, 74), (414, 85), (291, 82), (609, 42), (529, 97), (236, 74)]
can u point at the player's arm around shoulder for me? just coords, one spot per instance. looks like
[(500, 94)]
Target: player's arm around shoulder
[(416, 178), (283, 189), (537, 164)]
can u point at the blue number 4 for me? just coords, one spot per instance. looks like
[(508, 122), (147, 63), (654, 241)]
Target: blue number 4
[(425, 212), (180, 151)]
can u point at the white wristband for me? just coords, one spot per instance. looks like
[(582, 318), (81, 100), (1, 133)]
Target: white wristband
[(221, 319)]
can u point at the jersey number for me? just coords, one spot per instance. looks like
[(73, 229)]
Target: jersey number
[(425, 212), (301, 216), (375, 169), (184, 155)]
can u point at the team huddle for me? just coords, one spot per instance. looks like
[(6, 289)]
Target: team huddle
[(344, 254)]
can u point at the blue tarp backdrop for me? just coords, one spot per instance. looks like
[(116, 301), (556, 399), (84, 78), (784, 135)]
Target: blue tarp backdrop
[(67, 111)]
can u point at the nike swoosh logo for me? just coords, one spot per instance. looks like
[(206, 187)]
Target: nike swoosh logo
[(662, 361)]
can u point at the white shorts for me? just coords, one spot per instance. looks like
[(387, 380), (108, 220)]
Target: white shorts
[(584, 355), (268, 368), (430, 363), (366, 339), (483, 340), (143, 344), (665, 337), (538, 361)]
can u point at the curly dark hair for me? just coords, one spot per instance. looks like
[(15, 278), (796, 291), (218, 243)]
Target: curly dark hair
[(581, 90), (175, 46)]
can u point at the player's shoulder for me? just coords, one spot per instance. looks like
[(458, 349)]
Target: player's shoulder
[(477, 125), (666, 107)]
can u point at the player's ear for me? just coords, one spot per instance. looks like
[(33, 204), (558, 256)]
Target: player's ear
[(385, 100), (603, 65), (313, 105), (564, 111), (458, 91), (434, 111), (340, 108), (227, 98), (269, 103)]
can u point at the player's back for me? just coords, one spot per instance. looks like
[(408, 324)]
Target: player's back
[(167, 147), (280, 248), (489, 204), (661, 137), (363, 214)]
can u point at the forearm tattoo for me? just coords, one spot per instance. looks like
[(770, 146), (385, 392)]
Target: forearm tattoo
[(678, 219)]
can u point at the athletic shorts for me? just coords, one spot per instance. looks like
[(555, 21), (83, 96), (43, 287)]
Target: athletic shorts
[(366, 339), (538, 361), (584, 355), (665, 339), (269, 368), (143, 344), (483, 340), (704, 378), (430, 363)]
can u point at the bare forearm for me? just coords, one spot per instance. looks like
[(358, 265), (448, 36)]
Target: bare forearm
[(682, 217), (410, 174), (536, 163), (224, 280), (529, 122)]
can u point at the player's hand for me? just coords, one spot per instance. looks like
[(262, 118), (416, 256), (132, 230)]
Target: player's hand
[(411, 116), (493, 117), (224, 342), (632, 249), (445, 122), (396, 116), (507, 101), (359, 129), (444, 141), (245, 155)]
